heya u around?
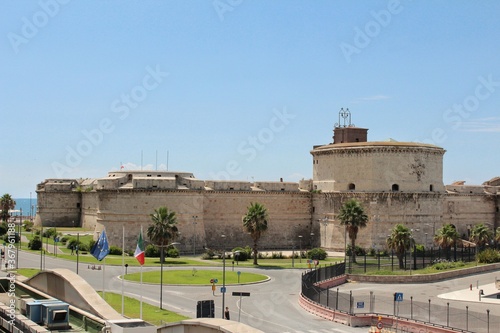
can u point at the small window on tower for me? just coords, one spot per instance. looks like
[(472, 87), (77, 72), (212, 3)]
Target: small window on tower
[(395, 187), (352, 187)]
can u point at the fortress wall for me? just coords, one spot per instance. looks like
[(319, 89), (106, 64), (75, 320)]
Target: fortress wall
[(289, 216), (132, 208), (58, 209), (420, 211), (90, 205), (463, 210), (217, 213)]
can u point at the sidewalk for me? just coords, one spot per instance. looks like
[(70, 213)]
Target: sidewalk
[(472, 294)]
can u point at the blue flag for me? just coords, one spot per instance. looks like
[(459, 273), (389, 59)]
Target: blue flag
[(101, 247)]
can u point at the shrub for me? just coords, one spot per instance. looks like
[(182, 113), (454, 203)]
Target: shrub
[(64, 239), (28, 225), (242, 254), (209, 254), (50, 232), (115, 250), (443, 265), (317, 253), (151, 251), (72, 243), (173, 252), (35, 243), (488, 256), (277, 255), (358, 250)]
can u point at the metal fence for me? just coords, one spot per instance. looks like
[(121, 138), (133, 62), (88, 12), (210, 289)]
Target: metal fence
[(439, 313), (413, 260)]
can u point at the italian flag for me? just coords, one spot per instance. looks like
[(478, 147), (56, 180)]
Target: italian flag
[(139, 250)]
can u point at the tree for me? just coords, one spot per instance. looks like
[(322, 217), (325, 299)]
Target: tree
[(446, 237), (481, 235), (399, 241), (255, 223), (163, 230), (6, 204), (353, 217)]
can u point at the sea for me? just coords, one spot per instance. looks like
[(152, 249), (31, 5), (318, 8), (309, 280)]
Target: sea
[(27, 205)]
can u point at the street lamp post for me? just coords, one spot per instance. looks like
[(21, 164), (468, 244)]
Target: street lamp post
[(300, 248), (223, 274), (194, 234), (162, 256)]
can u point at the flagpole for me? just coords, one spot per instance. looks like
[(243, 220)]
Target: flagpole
[(123, 265), (103, 274), (141, 285)]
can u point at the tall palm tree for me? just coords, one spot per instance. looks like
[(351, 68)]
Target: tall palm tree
[(481, 235), (446, 237), (163, 230), (255, 223), (353, 217), (6, 204), (399, 241)]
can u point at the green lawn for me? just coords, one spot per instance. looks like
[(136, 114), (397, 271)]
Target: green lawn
[(150, 313), (195, 277)]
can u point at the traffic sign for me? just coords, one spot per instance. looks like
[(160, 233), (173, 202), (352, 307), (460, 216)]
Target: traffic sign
[(380, 325), (398, 297), (211, 280), (223, 290), (360, 305), (216, 281), (240, 273), (238, 293)]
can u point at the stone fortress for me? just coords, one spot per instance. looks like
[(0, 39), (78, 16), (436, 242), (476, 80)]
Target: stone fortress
[(396, 182)]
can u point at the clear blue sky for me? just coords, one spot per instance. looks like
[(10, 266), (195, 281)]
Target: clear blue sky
[(241, 88)]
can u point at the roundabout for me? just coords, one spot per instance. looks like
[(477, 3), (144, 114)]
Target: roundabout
[(196, 277)]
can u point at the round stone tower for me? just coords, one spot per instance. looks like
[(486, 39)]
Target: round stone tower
[(351, 163)]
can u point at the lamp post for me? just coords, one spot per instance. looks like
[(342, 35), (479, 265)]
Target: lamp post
[(311, 240), (162, 256), (223, 273), (412, 242), (194, 234), (41, 245), (300, 248)]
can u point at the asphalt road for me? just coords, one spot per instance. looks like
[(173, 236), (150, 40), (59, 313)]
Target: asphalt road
[(272, 306)]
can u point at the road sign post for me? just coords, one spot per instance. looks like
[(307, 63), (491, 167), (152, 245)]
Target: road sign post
[(241, 294)]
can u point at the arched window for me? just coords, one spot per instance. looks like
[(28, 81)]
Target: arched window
[(395, 187), (352, 187), (431, 188)]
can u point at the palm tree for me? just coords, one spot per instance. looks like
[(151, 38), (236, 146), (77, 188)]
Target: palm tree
[(446, 237), (399, 241), (6, 204), (255, 223), (163, 230), (481, 235), (353, 217)]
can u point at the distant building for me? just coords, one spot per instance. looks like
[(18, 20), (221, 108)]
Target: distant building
[(396, 182)]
